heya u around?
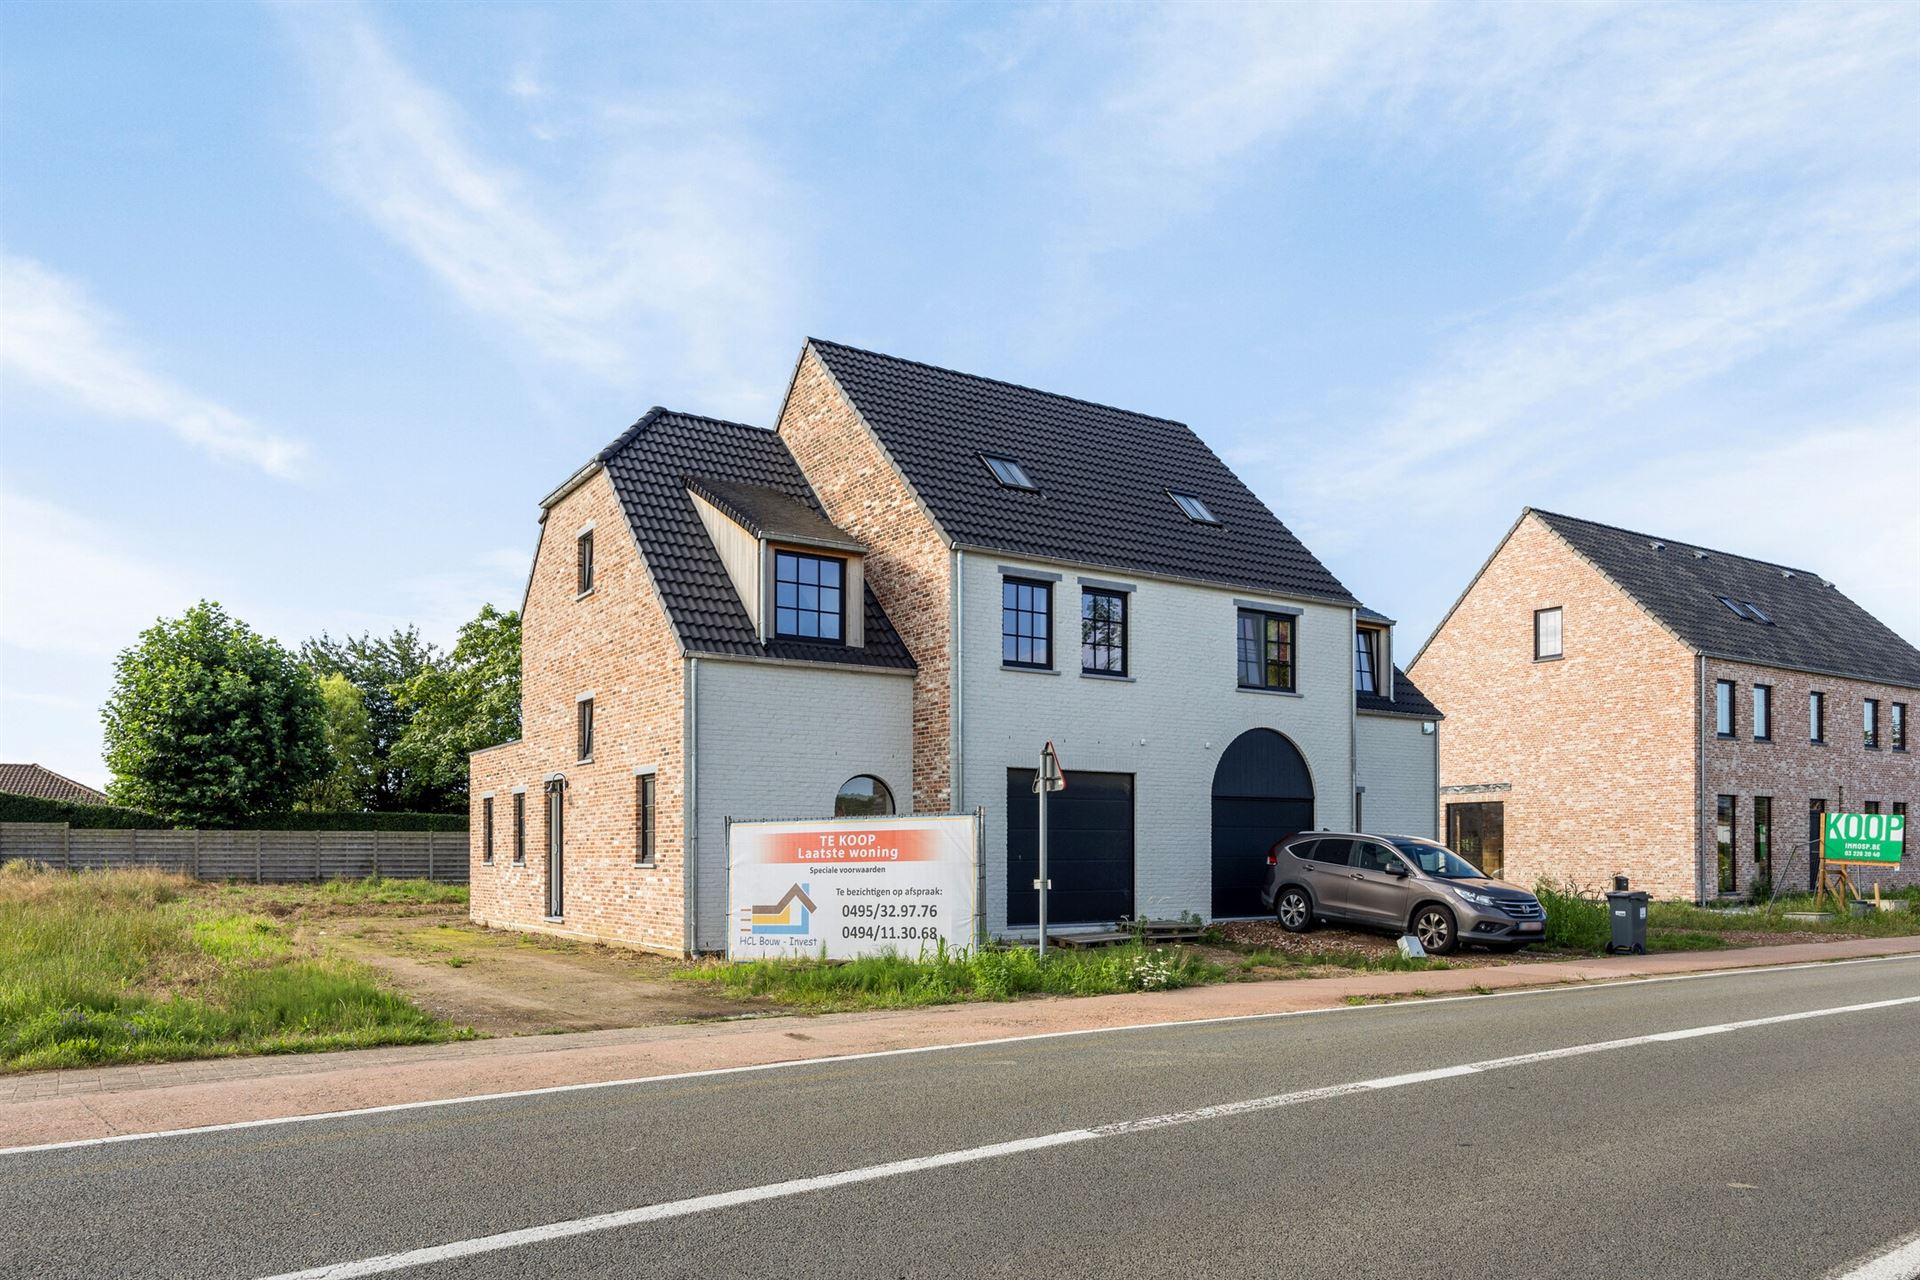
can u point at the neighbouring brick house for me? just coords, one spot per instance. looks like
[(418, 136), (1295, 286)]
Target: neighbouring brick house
[(1619, 703), (856, 613)]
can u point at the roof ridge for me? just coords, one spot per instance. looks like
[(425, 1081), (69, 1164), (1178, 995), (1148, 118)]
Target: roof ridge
[(1680, 542), (657, 412), (998, 382)]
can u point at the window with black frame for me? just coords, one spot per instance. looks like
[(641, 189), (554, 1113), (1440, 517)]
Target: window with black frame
[(1026, 623), (520, 827), (1266, 650), (1723, 708), (486, 828), (1724, 817), (1365, 661), (809, 596), (1870, 723), (1103, 632), (643, 819), (1763, 713), (583, 563)]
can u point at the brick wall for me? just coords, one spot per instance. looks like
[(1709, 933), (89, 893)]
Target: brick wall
[(1598, 746), (617, 644), (1791, 770), (908, 564)]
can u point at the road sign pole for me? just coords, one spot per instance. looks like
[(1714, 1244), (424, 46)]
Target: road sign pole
[(1050, 777)]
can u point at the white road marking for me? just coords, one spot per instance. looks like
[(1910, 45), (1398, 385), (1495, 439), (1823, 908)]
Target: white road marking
[(785, 1063), (1901, 1262), (389, 1262)]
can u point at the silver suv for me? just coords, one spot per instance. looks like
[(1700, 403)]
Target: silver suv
[(1400, 883)]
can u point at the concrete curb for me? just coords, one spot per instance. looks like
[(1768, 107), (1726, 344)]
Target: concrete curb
[(47, 1107)]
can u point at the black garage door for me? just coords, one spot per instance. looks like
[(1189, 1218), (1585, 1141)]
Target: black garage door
[(1262, 792), (1089, 849)]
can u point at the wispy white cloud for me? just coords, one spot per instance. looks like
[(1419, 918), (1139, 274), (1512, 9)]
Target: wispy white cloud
[(669, 255), (54, 336), (73, 586)]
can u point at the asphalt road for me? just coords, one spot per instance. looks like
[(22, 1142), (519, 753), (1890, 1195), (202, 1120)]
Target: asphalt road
[(1785, 1149)]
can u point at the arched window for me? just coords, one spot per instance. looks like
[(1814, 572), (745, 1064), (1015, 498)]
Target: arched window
[(864, 796)]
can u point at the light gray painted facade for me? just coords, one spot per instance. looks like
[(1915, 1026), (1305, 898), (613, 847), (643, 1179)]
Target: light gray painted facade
[(1399, 765), (777, 740), (1166, 723)]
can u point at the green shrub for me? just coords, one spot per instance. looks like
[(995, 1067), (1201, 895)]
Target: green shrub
[(115, 818), (1574, 923)]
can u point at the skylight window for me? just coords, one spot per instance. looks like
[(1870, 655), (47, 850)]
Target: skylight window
[(1195, 509), (1746, 609), (1008, 472)]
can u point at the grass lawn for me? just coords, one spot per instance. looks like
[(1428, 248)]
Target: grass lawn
[(144, 966), (1772, 918)]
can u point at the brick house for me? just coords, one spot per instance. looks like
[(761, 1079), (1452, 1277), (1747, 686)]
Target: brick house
[(857, 612), (1619, 703)]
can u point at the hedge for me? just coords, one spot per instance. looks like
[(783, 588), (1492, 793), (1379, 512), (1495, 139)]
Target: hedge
[(32, 809)]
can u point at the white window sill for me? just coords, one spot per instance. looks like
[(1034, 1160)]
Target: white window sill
[(1108, 676), (1029, 671), (1271, 693), (582, 595)]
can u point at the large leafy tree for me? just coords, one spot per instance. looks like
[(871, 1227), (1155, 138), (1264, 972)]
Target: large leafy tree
[(350, 758), (379, 666), (470, 701), (209, 722)]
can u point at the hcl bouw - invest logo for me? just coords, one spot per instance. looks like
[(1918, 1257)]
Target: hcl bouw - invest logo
[(791, 915)]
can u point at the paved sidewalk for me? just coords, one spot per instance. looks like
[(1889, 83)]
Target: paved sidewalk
[(62, 1106)]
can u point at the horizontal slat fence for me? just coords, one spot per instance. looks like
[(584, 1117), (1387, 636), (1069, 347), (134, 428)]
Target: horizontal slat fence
[(261, 856)]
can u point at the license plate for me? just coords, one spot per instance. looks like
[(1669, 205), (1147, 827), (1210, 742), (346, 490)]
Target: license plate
[(1530, 928)]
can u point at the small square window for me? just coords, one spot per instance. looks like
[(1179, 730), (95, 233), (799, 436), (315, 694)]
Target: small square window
[(808, 597), (1008, 472), (1195, 509), (1265, 650)]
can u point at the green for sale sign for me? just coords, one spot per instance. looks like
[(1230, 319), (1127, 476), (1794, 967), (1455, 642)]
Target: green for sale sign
[(1865, 837)]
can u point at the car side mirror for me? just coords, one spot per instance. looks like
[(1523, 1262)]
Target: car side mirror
[(1399, 869)]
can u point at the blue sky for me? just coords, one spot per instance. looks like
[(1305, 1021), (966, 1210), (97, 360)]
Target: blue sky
[(303, 307)]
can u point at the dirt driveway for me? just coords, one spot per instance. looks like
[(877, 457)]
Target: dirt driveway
[(497, 982)]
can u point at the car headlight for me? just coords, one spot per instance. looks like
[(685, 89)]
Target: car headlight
[(1478, 899)]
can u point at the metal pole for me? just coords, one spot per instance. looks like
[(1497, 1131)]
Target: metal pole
[(1041, 883)]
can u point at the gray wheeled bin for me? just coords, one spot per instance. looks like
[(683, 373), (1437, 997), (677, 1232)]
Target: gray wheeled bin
[(1628, 914)]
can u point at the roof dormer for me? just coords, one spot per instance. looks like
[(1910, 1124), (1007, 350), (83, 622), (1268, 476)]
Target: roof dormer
[(800, 577)]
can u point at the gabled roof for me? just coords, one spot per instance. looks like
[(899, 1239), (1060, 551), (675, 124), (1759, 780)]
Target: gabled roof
[(649, 465), (44, 784), (1407, 700), (1813, 626), (769, 513), (1103, 477)]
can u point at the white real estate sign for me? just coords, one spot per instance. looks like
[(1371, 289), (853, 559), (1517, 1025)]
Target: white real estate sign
[(851, 887)]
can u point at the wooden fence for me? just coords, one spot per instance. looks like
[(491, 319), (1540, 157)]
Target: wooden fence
[(260, 856)]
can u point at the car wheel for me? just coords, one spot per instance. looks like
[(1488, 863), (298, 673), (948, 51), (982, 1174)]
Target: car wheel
[(1433, 925), (1294, 910)]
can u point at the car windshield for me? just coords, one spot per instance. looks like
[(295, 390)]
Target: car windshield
[(1438, 860)]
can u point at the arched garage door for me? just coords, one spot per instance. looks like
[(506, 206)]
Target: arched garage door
[(1261, 793)]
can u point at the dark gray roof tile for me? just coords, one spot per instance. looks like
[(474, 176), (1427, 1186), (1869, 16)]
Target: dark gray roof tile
[(1814, 626), (649, 466), (1103, 476)]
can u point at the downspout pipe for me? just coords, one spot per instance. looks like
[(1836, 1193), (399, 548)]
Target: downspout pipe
[(956, 785), (690, 821), (1700, 779)]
